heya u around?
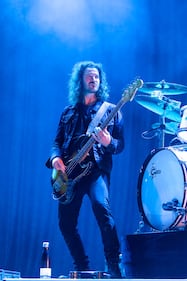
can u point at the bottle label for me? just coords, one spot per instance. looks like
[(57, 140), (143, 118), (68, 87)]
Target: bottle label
[(45, 272)]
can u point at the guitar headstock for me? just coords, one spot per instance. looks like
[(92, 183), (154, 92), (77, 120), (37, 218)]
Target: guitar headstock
[(130, 91)]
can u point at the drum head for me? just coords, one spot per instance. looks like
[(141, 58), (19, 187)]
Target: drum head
[(161, 181)]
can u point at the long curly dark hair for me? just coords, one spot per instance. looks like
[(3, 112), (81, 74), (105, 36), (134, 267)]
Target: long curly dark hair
[(76, 82)]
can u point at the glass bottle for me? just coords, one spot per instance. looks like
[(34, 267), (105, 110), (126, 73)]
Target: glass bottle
[(45, 267)]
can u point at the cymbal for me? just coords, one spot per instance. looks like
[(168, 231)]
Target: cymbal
[(164, 88), (160, 105)]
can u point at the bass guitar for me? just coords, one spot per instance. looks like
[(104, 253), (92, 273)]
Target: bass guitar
[(76, 166)]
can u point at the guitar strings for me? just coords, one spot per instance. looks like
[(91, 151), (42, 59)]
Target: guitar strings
[(77, 158)]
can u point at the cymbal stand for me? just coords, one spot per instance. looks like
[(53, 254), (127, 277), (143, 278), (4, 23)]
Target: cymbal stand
[(162, 127)]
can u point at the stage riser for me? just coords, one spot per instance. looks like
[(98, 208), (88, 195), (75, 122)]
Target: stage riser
[(156, 255)]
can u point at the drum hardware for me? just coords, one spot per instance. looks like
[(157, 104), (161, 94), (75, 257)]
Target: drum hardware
[(158, 130), (180, 211), (169, 127), (164, 107), (164, 88), (174, 205), (143, 228)]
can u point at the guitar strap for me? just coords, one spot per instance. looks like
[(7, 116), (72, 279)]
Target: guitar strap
[(95, 121)]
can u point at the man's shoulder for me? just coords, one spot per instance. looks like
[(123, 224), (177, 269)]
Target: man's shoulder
[(68, 113), (68, 109)]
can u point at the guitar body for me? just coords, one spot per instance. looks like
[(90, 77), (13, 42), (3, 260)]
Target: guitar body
[(64, 186)]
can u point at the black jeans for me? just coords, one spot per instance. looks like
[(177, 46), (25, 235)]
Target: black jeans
[(96, 187)]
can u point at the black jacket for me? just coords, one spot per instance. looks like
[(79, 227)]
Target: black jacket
[(102, 155)]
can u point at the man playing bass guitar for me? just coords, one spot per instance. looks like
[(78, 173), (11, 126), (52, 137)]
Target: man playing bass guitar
[(89, 174)]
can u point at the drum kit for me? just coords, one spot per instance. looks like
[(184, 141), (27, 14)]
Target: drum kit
[(162, 182)]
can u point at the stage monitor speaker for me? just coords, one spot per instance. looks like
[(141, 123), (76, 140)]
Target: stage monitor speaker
[(156, 255)]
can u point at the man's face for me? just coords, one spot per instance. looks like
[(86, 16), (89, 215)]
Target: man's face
[(91, 80)]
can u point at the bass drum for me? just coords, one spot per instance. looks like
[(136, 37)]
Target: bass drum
[(162, 183)]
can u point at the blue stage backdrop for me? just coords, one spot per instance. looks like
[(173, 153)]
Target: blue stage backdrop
[(40, 42)]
